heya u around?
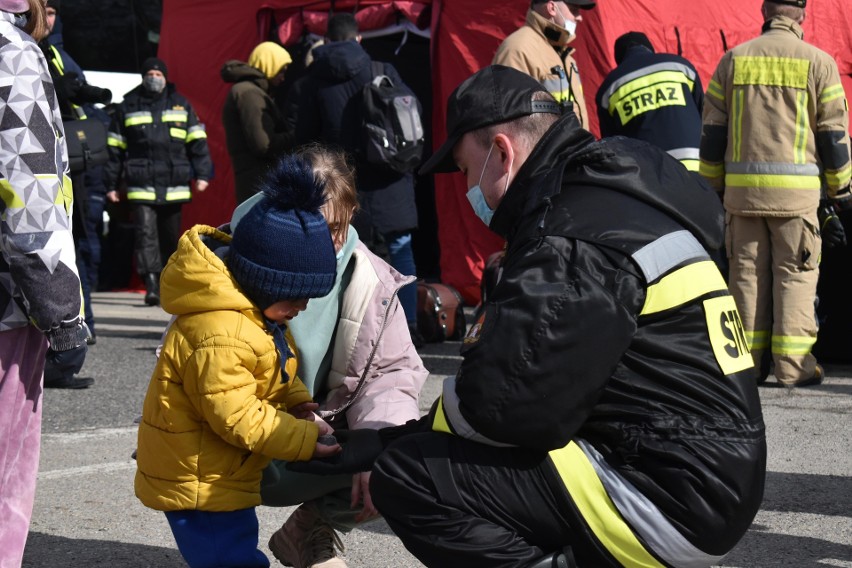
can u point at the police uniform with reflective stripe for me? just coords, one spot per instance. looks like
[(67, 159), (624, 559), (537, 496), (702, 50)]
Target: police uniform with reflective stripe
[(611, 345), (774, 134), (159, 145), (655, 97)]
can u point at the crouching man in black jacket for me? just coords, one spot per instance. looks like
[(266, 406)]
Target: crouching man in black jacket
[(606, 405)]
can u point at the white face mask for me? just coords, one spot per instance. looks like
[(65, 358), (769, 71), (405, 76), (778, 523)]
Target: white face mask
[(570, 26), (477, 198)]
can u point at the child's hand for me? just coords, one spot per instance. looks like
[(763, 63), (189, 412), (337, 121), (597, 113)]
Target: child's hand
[(323, 449), (304, 411)]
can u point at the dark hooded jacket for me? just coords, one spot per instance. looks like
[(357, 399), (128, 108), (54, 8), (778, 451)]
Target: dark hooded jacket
[(330, 113), (255, 130), (610, 326)]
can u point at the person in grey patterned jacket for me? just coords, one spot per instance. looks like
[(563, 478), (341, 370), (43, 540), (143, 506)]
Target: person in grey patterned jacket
[(40, 296)]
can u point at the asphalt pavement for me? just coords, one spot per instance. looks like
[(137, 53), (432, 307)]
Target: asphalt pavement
[(86, 514)]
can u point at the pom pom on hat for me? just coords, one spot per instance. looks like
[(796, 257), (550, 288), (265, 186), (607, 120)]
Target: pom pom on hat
[(282, 247)]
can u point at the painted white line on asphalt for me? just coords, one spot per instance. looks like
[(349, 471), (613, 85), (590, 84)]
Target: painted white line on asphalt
[(835, 562), (110, 467), (441, 357), (81, 435)]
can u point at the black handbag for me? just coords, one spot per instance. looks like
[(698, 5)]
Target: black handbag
[(87, 144)]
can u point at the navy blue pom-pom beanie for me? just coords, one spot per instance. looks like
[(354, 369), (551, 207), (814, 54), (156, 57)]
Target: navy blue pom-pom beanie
[(282, 248)]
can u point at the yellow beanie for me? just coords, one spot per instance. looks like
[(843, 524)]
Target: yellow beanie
[(269, 57)]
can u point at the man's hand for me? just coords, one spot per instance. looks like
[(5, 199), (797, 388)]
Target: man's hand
[(112, 196), (360, 450), (830, 227), (201, 185)]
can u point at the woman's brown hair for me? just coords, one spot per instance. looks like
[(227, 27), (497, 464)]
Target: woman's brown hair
[(338, 175)]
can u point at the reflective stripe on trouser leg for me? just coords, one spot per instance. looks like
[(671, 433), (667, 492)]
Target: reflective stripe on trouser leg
[(747, 241), (796, 247)]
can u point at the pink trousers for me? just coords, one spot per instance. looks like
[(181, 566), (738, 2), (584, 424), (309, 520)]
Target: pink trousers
[(22, 353)]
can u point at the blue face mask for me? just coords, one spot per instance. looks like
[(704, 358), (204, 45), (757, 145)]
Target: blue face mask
[(477, 199)]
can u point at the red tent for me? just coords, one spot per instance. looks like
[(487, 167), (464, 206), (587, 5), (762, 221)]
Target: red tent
[(198, 36)]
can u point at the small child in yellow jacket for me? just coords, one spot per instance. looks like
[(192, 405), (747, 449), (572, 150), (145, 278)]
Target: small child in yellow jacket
[(224, 398)]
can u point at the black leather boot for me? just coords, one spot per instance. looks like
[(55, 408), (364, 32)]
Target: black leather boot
[(152, 289)]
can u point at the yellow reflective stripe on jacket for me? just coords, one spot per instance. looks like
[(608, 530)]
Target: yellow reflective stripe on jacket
[(196, 132), (709, 170), (116, 141), (691, 165), (757, 339), (714, 89), (174, 116), (57, 60), (771, 71), (647, 93), (832, 93), (597, 509), (737, 116), (178, 193), (439, 423), (558, 88), (138, 118), (802, 128), (141, 194), (773, 180), (682, 286), (177, 133), (792, 344), (839, 178)]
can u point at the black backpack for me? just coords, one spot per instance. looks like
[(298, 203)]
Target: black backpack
[(392, 131)]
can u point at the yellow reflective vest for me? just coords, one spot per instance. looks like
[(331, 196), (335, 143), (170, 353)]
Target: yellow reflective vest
[(541, 49), (775, 125)]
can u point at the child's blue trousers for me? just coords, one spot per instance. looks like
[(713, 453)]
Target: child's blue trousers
[(218, 540)]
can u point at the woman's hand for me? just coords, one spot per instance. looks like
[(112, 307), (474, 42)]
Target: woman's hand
[(361, 493)]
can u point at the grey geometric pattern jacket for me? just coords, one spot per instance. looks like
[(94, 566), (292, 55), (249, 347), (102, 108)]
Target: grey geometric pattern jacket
[(39, 283)]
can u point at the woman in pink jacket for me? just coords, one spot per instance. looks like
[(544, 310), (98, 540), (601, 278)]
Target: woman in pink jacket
[(357, 360)]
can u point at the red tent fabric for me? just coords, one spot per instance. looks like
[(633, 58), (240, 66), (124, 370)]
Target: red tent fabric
[(197, 36)]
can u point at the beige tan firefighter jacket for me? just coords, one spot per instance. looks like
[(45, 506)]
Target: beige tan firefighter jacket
[(539, 48), (775, 125)]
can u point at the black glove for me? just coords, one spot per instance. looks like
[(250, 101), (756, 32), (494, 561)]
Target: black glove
[(360, 449), (62, 365), (830, 227)]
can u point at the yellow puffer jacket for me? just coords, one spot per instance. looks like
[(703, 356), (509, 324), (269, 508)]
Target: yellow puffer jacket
[(215, 411), (775, 125), (528, 49)]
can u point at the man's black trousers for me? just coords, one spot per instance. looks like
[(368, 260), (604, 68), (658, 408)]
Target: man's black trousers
[(157, 230), (454, 502)]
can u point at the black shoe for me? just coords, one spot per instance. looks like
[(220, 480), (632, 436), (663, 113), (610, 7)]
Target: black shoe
[(92, 338), (70, 383), (152, 289)]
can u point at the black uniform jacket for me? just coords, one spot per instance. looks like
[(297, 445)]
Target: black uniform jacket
[(610, 324), (158, 144)]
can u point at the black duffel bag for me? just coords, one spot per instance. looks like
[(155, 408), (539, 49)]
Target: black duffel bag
[(87, 143)]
